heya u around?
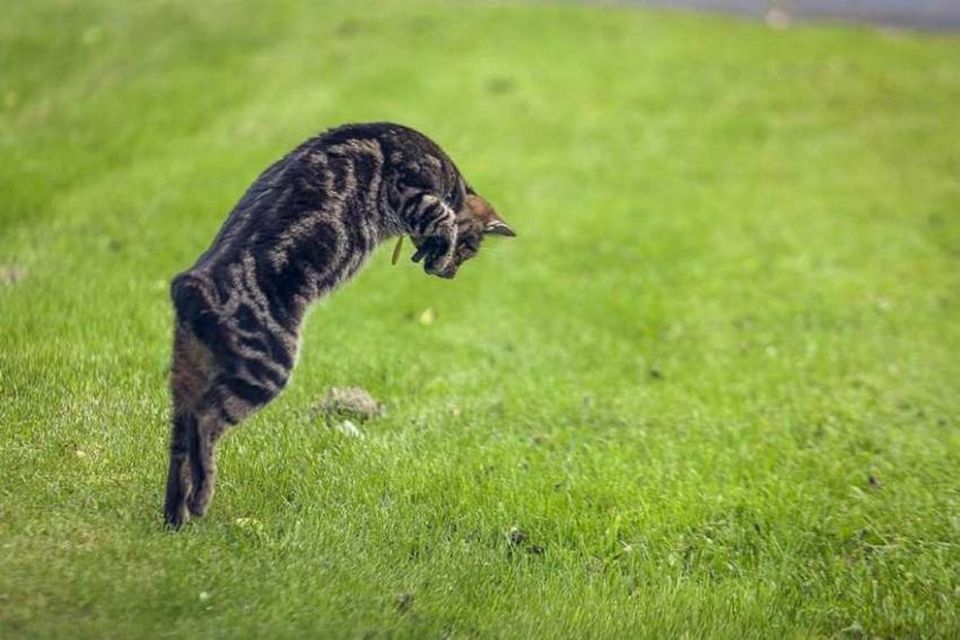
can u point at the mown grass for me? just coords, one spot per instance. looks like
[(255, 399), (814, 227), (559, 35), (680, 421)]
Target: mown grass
[(732, 303)]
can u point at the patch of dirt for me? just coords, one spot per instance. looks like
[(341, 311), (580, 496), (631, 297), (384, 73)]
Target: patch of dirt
[(500, 86), (11, 274), (354, 403)]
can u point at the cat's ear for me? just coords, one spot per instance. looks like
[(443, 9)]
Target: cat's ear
[(493, 224), (497, 227)]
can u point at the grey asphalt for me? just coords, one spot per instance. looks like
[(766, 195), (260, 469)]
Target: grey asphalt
[(916, 14)]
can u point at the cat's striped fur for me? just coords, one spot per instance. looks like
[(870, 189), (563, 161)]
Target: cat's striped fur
[(306, 225)]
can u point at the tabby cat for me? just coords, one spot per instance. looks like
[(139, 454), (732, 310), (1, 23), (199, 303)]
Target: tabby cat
[(306, 225)]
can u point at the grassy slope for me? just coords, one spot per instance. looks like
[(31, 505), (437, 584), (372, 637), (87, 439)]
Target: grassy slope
[(767, 219)]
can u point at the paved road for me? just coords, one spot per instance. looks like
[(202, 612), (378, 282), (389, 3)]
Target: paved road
[(921, 14)]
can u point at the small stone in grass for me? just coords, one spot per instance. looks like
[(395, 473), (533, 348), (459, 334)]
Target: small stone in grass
[(517, 536), (404, 602), (251, 526), (349, 429)]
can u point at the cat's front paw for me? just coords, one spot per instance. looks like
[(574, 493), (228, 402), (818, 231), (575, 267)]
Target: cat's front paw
[(437, 256)]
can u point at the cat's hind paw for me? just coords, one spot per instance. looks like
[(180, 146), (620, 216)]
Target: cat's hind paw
[(175, 516)]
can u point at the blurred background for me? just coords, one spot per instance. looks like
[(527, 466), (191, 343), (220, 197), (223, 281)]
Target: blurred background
[(930, 14), (711, 389)]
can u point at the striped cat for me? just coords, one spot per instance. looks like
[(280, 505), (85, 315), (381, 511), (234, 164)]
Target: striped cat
[(306, 225)]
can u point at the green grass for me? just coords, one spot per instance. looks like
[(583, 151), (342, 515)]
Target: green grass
[(734, 298)]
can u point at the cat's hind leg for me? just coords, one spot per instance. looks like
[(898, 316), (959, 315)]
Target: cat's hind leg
[(224, 369), (232, 399), (180, 483), (210, 428), (190, 381)]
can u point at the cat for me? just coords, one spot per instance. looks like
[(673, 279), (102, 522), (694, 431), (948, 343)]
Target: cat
[(306, 225)]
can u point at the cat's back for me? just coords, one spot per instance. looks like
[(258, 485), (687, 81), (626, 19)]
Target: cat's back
[(349, 157), (341, 171), (399, 149), (390, 135)]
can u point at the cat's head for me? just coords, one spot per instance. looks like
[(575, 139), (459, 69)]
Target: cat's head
[(475, 221)]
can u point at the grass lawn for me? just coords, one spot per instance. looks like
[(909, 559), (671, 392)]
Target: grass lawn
[(715, 381)]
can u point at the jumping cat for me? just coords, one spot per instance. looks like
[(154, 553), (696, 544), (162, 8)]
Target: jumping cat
[(305, 226)]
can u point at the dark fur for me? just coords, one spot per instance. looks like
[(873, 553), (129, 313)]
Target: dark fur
[(307, 224)]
